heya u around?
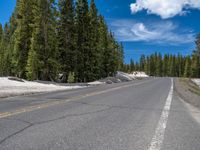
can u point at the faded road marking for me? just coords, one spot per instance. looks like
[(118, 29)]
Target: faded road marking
[(158, 138), (49, 104)]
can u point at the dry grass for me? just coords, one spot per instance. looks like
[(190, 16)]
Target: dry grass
[(190, 85)]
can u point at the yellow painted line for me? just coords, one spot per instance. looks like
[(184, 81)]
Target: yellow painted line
[(49, 104)]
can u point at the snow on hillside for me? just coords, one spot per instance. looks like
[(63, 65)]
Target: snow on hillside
[(140, 74), (132, 76), (197, 81), (17, 86), (124, 76), (13, 87), (96, 83)]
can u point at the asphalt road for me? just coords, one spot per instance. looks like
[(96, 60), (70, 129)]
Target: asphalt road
[(139, 115)]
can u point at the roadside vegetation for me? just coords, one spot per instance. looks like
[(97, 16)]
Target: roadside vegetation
[(188, 91), (169, 65), (44, 39), (191, 86)]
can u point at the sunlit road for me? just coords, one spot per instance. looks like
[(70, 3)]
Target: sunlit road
[(139, 115)]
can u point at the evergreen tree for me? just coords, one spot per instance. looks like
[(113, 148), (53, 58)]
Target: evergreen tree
[(111, 53), (187, 70), (165, 65), (95, 53), (103, 46), (11, 46), (196, 58), (120, 58), (71, 77), (132, 65), (180, 67), (147, 66), (5, 59), (1, 49), (1, 32), (83, 41), (159, 65), (23, 35), (152, 65), (142, 62), (43, 44), (66, 36)]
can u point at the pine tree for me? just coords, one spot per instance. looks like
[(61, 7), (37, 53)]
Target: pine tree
[(165, 65), (110, 56), (1, 32), (132, 65), (142, 62), (5, 59), (180, 67), (1, 49), (196, 58), (43, 43), (95, 53), (152, 65), (12, 36), (32, 65), (159, 65), (147, 66), (82, 48), (120, 58), (23, 35), (103, 46), (71, 77), (66, 36), (187, 71)]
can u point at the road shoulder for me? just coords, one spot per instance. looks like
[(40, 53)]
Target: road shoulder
[(188, 91)]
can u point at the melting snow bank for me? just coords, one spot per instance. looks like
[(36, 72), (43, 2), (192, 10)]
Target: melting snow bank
[(138, 74), (96, 83), (125, 76), (132, 76), (10, 87), (120, 77), (196, 81)]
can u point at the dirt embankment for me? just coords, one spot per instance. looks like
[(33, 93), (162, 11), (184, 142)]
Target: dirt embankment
[(188, 91)]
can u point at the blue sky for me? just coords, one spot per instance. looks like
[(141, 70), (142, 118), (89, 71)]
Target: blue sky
[(145, 26)]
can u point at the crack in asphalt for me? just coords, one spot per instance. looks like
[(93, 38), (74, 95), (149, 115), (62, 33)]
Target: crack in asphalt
[(30, 124), (8, 137)]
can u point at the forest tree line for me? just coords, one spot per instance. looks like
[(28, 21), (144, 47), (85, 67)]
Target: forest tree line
[(169, 65), (43, 39)]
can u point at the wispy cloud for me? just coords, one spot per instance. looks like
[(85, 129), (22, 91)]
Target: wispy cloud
[(164, 32), (165, 8)]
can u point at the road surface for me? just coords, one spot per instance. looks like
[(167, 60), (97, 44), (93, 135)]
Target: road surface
[(139, 115)]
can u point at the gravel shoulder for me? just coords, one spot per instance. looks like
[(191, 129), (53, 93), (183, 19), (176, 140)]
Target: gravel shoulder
[(188, 91)]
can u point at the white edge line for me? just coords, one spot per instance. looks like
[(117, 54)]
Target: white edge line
[(158, 137)]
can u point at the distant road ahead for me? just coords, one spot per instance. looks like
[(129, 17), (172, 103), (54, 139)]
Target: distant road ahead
[(139, 115)]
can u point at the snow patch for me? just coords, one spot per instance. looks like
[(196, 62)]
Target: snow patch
[(129, 77), (96, 83), (140, 74), (13, 88), (125, 76)]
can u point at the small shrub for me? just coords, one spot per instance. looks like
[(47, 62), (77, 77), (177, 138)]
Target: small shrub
[(71, 77)]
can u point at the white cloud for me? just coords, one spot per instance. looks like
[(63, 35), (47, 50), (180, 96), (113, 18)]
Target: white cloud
[(164, 32), (164, 8)]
